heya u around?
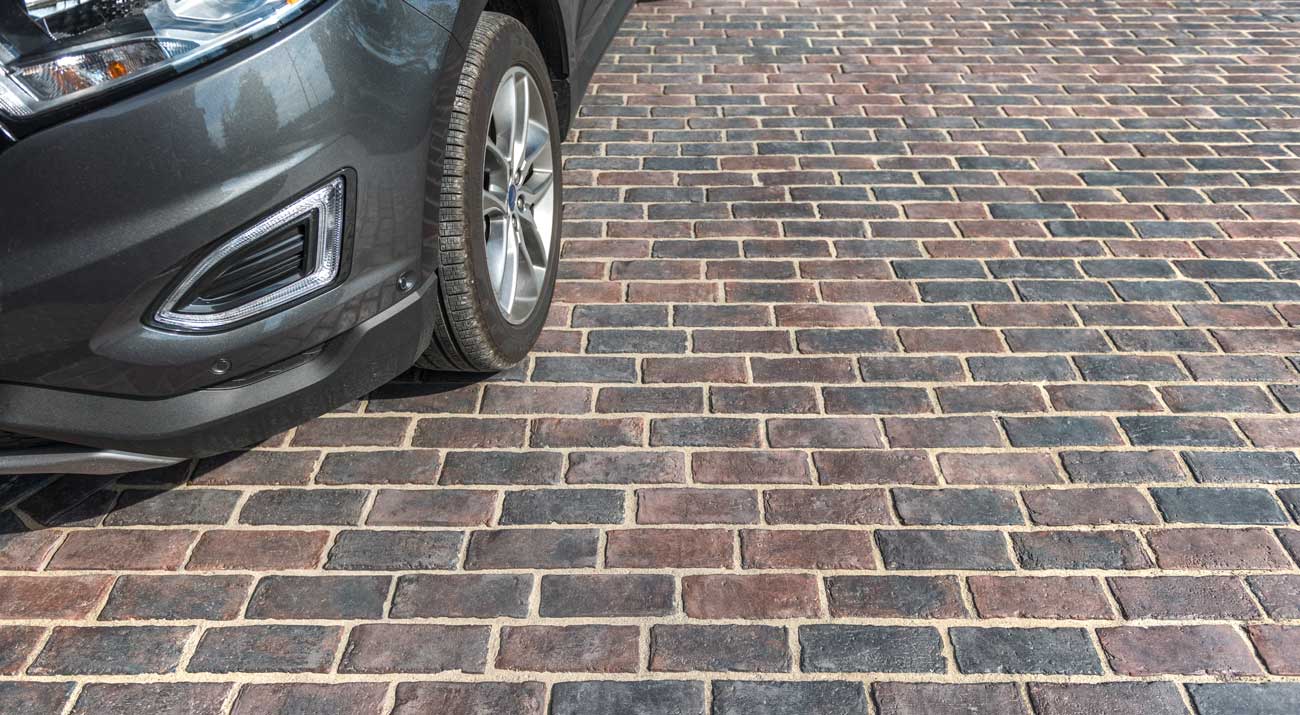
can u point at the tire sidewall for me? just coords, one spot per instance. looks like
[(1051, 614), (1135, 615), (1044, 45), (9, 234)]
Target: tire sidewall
[(510, 47)]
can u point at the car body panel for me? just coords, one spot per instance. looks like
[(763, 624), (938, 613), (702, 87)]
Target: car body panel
[(585, 28), (96, 229), (104, 211), (590, 24)]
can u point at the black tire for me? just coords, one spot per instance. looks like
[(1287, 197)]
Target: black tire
[(470, 333)]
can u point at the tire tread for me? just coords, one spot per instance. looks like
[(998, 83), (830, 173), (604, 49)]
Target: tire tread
[(458, 332)]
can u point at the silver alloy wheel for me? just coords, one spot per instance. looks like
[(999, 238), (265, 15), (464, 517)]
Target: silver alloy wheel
[(518, 195)]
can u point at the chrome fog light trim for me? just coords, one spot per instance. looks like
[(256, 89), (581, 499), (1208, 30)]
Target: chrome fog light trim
[(327, 204)]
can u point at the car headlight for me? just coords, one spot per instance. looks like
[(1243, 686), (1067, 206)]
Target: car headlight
[(54, 52)]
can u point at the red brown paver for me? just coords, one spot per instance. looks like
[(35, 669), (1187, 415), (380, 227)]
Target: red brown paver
[(910, 356)]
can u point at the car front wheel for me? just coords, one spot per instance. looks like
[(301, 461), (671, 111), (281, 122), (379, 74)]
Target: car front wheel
[(499, 218)]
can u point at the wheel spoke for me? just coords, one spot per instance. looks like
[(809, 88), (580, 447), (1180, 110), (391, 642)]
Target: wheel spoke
[(531, 241), (508, 290), (495, 159), (535, 190), (536, 142), (519, 129), (528, 286), (503, 117), (494, 204), (497, 238)]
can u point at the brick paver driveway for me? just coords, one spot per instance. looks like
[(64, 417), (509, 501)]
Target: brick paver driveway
[(915, 356)]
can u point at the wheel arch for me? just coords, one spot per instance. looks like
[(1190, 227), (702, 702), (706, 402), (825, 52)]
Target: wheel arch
[(545, 20)]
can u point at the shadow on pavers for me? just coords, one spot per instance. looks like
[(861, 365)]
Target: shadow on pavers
[(34, 502)]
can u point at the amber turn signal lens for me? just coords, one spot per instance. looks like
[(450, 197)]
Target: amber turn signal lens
[(71, 73)]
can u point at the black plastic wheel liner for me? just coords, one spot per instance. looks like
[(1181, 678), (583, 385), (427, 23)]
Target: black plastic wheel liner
[(13, 440)]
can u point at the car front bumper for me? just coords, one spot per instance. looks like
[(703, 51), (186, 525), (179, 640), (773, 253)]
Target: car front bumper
[(101, 213), (220, 419)]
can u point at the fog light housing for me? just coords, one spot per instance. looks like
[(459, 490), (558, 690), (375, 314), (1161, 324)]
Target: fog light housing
[(285, 258)]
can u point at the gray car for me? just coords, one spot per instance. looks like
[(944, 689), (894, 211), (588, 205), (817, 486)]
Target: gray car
[(220, 218)]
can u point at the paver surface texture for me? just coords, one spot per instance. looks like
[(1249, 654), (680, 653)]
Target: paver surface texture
[(910, 356)]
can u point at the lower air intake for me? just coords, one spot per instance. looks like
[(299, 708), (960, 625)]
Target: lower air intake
[(287, 257)]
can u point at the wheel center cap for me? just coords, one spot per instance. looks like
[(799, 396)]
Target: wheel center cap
[(513, 199)]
